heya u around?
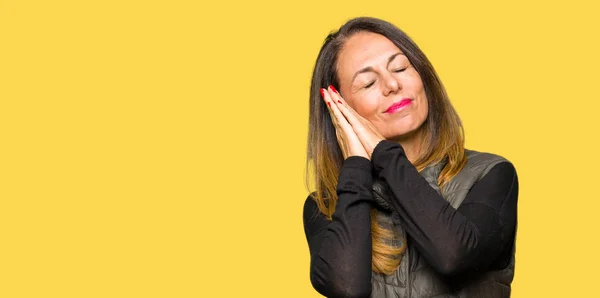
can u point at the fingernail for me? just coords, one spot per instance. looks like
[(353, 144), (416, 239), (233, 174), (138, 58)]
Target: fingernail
[(333, 88), (339, 101), (322, 92), (329, 104)]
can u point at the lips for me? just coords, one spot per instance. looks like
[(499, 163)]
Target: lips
[(399, 105)]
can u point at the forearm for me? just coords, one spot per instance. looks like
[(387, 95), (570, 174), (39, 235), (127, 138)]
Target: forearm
[(451, 240), (341, 248)]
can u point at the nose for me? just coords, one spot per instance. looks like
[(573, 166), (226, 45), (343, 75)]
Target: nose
[(391, 84)]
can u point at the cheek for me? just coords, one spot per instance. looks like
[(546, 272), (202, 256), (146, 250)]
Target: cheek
[(425, 109), (366, 107), (414, 83), (419, 91)]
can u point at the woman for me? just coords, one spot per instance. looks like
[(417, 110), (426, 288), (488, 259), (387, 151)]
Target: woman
[(401, 208)]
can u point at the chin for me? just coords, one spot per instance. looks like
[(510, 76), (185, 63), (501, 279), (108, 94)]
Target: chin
[(401, 133), (398, 136)]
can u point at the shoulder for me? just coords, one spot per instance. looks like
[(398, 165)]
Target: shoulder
[(481, 163), (496, 183), (483, 175), (310, 209), (312, 217), (309, 202)]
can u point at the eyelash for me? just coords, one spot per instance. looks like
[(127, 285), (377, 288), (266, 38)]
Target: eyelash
[(397, 70)]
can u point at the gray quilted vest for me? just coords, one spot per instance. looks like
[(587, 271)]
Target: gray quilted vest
[(414, 277)]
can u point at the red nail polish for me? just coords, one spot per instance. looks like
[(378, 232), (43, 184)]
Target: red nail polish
[(322, 92), (339, 101), (333, 88), (329, 104)]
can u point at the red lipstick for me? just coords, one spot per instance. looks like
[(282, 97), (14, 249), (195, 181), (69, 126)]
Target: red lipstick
[(399, 105)]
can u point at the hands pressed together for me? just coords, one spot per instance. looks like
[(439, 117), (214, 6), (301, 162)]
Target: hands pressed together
[(355, 135)]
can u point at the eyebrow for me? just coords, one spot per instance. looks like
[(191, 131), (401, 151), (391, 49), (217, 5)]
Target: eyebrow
[(369, 68)]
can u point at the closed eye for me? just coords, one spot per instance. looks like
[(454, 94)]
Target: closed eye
[(373, 82)]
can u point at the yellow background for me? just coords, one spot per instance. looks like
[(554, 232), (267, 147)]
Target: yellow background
[(156, 148)]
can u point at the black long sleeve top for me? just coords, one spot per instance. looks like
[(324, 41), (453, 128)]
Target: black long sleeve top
[(469, 239)]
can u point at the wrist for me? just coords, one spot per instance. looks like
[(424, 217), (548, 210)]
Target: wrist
[(383, 152), (357, 162)]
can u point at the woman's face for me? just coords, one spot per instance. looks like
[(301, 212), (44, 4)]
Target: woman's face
[(381, 85)]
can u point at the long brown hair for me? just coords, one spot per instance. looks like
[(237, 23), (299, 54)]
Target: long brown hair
[(443, 134)]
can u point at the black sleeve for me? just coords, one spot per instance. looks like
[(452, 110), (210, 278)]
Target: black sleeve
[(340, 249), (452, 241)]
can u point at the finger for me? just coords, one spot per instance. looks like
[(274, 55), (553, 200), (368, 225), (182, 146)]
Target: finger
[(361, 127), (323, 97), (328, 104), (341, 120), (349, 114), (339, 131), (341, 104)]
